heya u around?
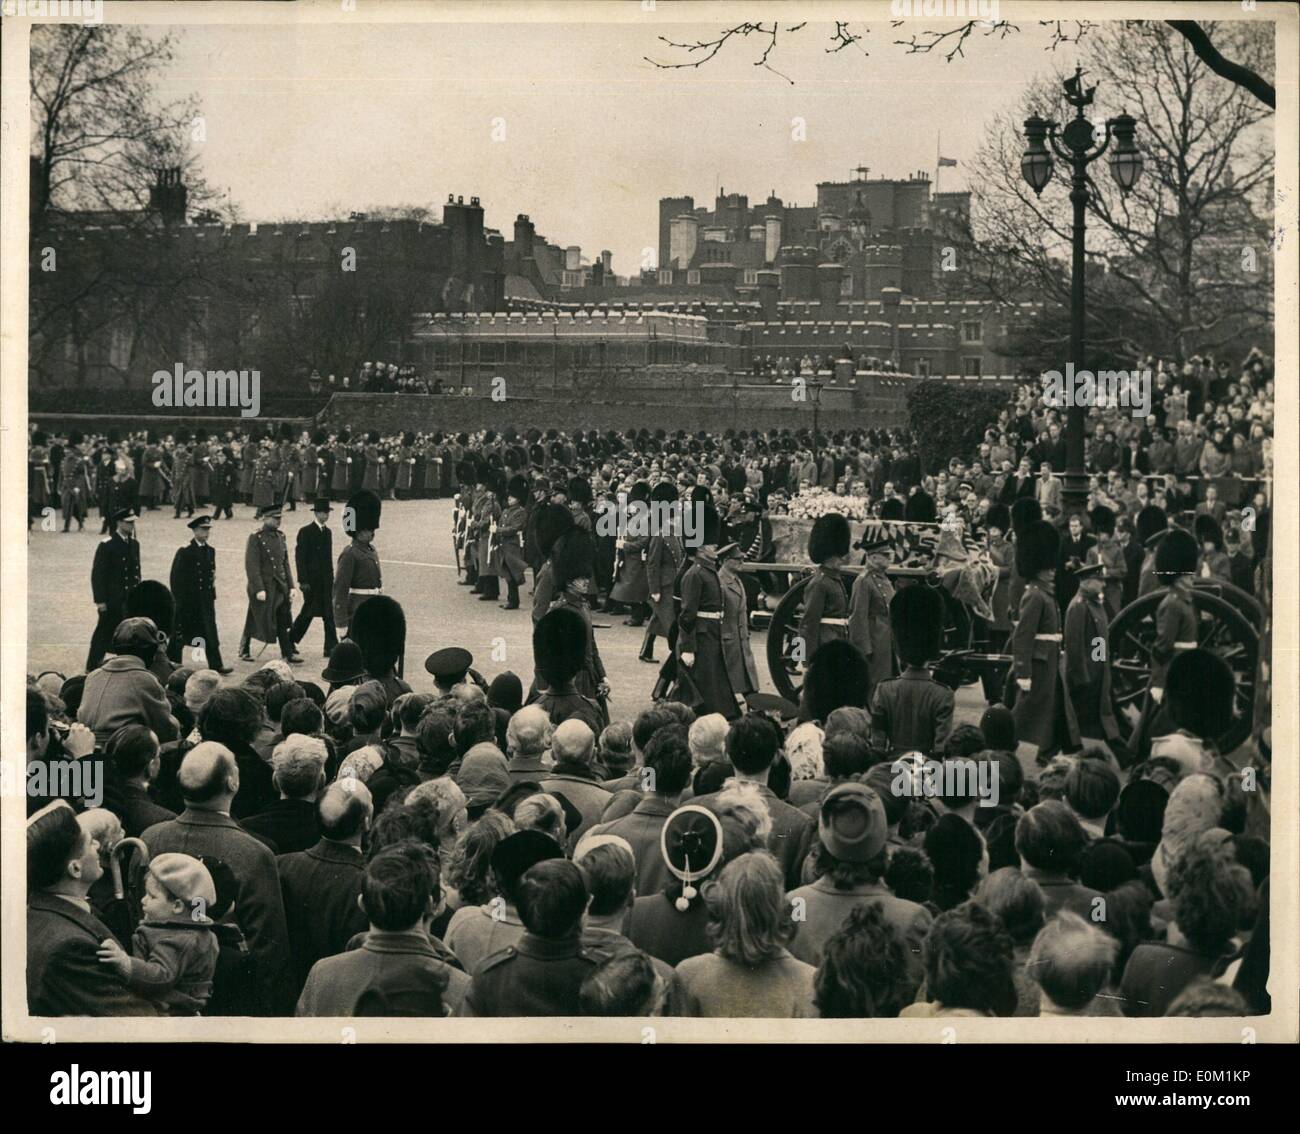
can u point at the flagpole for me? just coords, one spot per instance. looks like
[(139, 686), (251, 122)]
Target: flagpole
[(938, 151)]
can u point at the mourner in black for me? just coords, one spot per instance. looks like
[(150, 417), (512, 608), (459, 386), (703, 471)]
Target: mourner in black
[(313, 555), (115, 571), (194, 589)]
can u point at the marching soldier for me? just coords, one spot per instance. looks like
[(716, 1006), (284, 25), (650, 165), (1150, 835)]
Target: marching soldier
[(270, 586), (265, 471), (342, 460), (869, 601), (1087, 675), (152, 486), (183, 477), (115, 571), (1109, 555), (485, 511), (74, 483), (1040, 709), (510, 564), (1176, 628), (358, 575), (631, 546), (913, 712), (194, 590), (665, 554), (826, 598), (313, 555), (224, 483)]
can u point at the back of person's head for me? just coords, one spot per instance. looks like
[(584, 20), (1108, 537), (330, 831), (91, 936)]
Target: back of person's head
[(864, 972), (964, 740), (750, 922), (38, 714), (1011, 776), (851, 719), (1209, 891), (131, 749), (369, 707), (573, 742), (1072, 960), (230, 717), (616, 748), (54, 839), (668, 758), (998, 724), (969, 961), (298, 764), (469, 868), (541, 812), (608, 866), (412, 710), (624, 984), (909, 875), (434, 741), (207, 772), (1092, 787), (752, 745), (344, 809), (551, 898), (1048, 837), (278, 696), (1206, 997), (301, 716), (1015, 900), (400, 886), (529, 731), (1052, 779), (955, 850), (680, 713), (708, 738), (475, 722), (845, 755), (744, 803), (649, 722)]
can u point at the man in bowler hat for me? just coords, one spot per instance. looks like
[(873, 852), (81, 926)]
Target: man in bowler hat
[(313, 555)]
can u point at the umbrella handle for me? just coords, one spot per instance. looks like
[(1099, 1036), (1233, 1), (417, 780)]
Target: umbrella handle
[(115, 862)]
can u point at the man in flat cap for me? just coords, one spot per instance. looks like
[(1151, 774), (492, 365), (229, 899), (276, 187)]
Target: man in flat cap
[(270, 586), (115, 571), (194, 589)]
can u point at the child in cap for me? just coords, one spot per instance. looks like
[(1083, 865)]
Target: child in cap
[(174, 951)]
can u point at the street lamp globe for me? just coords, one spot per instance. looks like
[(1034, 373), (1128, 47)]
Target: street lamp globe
[(1125, 159), (1036, 163)]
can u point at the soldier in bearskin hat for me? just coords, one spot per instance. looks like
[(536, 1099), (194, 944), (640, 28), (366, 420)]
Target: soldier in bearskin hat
[(913, 712), (379, 627), (1109, 553), (572, 562), (1087, 676), (485, 511), (183, 476), (152, 485), (1198, 709), (1036, 642), (559, 656), (552, 522), (508, 560), (1024, 510), (664, 558), (1151, 525), (838, 677), (826, 597), (341, 455), (358, 574), (404, 482)]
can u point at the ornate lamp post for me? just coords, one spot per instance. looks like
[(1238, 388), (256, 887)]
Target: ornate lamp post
[(1075, 145)]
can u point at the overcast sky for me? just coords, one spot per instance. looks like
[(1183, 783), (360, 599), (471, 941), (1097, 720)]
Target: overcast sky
[(310, 122)]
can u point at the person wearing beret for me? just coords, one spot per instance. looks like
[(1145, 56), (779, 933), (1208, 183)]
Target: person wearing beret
[(64, 974), (270, 587), (194, 588), (115, 571), (1040, 709)]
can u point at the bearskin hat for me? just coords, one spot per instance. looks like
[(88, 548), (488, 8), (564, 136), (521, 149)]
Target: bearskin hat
[(1150, 520), (1177, 554), (493, 480), (1025, 511), (1207, 530), (665, 492), (467, 471), (408, 438), (916, 616), (553, 520), (76, 437), (920, 507), (284, 433), (517, 486), (1199, 691), (1103, 520), (830, 536), (559, 646), (580, 490), (362, 513), (509, 436), (489, 436), (373, 437), (1037, 546), (345, 436), (151, 599), (639, 491), (838, 675), (893, 509), (998, 516), (378, 626), (573, 557), (202, 435)]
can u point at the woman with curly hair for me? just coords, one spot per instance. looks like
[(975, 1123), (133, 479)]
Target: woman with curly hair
[(864, 971), (1208, 890), (750, 972), (969, 966), (469, 866)]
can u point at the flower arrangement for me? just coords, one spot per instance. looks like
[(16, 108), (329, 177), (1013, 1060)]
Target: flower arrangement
[(813, 502)]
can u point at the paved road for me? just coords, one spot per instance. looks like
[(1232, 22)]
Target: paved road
[(414, 543)]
